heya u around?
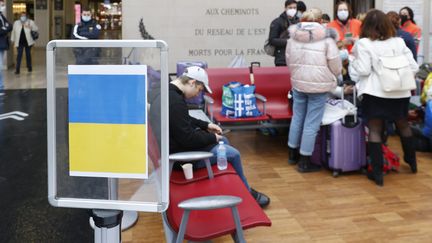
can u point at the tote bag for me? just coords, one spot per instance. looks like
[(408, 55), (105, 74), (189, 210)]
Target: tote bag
[(239, 100)]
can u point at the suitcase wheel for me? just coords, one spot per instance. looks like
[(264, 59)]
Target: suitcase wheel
[(335, 173)]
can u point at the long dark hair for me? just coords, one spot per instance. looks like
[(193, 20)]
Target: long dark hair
[(410, 12), (376, 26)]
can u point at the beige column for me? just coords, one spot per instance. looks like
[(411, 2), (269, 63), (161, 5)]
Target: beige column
[(42, 20)]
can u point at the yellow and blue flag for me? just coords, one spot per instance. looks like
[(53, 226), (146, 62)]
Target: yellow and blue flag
[(108, 121)]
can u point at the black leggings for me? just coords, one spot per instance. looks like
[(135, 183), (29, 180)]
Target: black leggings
[(376, 127)]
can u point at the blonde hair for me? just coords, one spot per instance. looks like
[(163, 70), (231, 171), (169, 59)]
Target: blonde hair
[(312, 15), (361, 16)]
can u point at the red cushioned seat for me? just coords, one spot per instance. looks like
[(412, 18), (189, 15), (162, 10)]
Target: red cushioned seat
[(209, 224), (274, 83)]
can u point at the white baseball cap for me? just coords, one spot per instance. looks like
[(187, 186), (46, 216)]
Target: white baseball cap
[(199, 74)]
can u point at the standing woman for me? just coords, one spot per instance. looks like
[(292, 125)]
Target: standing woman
[(378, 39), (409, 25), (313, 58), (347, 27), (5, 28), (21, 36), (408, 39)]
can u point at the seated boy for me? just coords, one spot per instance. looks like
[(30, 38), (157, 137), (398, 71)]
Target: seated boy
[(190, 134)]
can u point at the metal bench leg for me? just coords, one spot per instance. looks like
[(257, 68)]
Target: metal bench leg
[(209, 168), (239, 230), (183, 225)]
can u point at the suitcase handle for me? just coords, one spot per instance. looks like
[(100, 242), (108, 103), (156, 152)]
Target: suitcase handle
[(354, 101), (251, 75)]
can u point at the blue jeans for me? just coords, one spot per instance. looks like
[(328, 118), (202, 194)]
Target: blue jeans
[(1, 70), (233, 157), (308, 112)]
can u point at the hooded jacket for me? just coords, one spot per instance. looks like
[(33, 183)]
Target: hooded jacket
[(313, 57)]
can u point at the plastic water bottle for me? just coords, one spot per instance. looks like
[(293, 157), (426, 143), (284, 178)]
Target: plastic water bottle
[(222, 163)]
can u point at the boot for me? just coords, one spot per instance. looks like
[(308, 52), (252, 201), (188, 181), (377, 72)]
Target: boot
[(376, 156), (293, 156), (305, 165), (408, 147)]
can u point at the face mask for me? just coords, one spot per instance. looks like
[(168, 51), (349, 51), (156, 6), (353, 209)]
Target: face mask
[(342, 15), (23, 18), (343, 54), (86, 18), (324, 25), (2, 9), (404, 19), (299, 15), (291, 12)]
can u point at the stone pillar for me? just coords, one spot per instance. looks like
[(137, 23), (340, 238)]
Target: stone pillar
[(42, 20)]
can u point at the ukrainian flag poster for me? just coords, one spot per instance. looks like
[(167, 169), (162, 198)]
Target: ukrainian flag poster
[(108, 121)]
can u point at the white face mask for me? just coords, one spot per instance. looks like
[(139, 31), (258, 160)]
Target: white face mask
[(342, 15), (291, 12), (23, 18), (2, 9), (299, 15), (86, 18)]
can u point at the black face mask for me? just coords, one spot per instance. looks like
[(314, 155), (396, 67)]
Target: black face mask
[(404, 19)]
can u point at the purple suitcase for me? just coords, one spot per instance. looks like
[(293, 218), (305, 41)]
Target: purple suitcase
[(341, 146), (181, 65), (346, 143), (347, 147)]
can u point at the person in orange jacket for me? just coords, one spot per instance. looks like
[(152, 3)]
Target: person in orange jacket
[(347, 27), (409, 25)]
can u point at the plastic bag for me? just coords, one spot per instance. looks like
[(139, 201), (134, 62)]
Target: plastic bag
[(336, 109)]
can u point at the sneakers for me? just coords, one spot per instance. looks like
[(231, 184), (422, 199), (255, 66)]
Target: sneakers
[(261, 198)]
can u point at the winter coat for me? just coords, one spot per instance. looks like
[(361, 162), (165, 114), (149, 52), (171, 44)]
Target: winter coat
[(367, 53), (278, 36), (5, 28), (313, 58), (29, 25)]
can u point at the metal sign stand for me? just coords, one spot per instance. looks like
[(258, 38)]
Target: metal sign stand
[(107, 225), (129, 217), (106, 214)]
